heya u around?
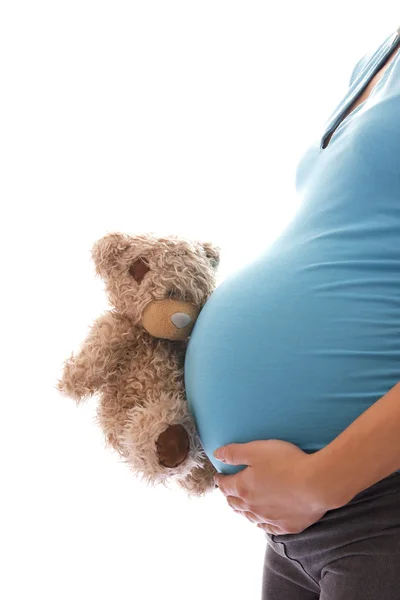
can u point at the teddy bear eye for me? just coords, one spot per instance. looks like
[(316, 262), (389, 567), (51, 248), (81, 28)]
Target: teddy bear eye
[(139, 269)]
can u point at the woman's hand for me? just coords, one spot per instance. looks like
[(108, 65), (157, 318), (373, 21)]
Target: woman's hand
[(279, 488)]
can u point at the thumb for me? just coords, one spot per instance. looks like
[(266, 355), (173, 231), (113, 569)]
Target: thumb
[(233, 454)]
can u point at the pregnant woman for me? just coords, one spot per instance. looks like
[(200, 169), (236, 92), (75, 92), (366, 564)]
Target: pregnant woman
[(303, 346)]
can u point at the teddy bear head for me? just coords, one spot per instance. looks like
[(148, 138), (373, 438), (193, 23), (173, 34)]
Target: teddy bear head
[(160, 283)]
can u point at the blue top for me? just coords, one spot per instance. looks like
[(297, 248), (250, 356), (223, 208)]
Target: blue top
[(296, 345)]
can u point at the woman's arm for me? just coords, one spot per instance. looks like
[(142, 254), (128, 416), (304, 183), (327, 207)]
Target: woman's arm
[(366, 452)]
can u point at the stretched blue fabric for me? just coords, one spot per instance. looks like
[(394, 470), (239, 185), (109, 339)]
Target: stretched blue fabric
[(296, 345)]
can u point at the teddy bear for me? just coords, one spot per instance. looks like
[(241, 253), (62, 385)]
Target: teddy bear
[(133, 355)]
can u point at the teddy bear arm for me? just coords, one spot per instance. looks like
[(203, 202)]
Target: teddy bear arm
[(100, 355)]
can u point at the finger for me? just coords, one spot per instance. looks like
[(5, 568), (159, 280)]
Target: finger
[(234, 454), (231, 485), (265, 528), (249, 516), (271, 529), (236, 503)]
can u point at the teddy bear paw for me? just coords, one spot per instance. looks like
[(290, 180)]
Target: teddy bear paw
[(173, 446)]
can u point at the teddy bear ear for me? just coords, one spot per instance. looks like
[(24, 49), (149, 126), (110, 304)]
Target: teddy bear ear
[(212, 253), (107, 252)]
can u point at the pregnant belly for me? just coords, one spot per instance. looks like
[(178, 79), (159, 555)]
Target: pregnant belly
[(285, 350)]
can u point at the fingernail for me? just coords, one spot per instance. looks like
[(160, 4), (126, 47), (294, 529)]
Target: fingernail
[(219, 454)]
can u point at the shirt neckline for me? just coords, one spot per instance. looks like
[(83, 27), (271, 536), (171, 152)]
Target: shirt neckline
[(369, 71)]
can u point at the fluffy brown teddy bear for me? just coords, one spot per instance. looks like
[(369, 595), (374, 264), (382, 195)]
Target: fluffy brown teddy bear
[(133, 356)]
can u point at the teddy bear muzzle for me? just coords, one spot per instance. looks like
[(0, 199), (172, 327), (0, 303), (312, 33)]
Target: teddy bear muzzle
[(170, 319)]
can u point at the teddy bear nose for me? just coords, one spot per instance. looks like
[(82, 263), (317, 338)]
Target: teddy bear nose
[(180, 320)]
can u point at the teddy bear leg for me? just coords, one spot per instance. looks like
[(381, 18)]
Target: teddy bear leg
[(173, 446), (159, 439), (200, 480)]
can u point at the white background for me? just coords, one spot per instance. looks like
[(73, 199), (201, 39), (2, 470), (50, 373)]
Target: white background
[(165, 116)]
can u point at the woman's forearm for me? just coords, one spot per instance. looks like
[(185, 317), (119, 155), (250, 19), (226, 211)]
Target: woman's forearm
[(367, 451)]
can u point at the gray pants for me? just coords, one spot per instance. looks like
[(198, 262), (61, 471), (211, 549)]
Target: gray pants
[(351, 553)]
